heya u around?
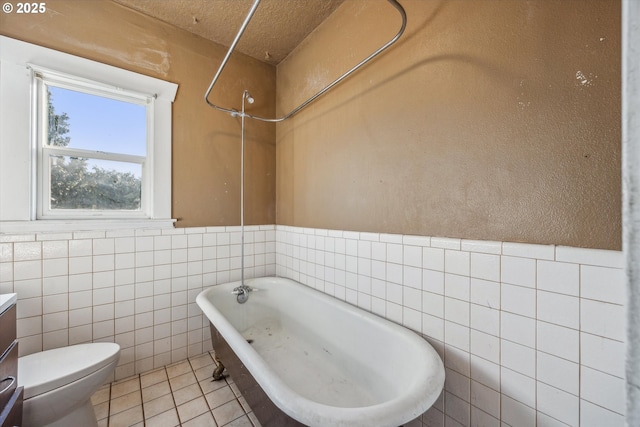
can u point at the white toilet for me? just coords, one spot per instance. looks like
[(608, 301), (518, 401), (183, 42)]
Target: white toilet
[(58, 383)]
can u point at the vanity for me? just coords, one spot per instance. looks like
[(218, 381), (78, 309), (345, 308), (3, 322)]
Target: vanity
[(10, 393)]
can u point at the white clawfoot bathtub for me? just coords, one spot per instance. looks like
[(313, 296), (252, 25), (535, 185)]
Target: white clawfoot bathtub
[(321, 361)]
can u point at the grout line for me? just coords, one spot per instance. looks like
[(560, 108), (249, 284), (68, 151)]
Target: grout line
[(109, 406), (141, 402)]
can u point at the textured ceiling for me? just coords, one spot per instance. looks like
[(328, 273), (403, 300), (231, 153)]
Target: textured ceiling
[(277, 27)]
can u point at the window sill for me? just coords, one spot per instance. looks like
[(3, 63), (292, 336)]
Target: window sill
[(68, 225)]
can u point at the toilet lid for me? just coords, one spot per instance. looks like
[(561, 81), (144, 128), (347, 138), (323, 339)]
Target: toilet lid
[(44, 371)]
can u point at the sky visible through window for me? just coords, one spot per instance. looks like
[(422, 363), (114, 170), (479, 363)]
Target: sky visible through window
[(103, 124)]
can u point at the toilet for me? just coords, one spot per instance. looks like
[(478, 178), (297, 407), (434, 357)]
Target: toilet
[(58, 384)]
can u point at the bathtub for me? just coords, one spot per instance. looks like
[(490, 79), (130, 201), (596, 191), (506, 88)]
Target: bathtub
[(318, 360)]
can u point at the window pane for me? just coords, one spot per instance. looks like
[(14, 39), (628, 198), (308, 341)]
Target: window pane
[(79, 183), (91, 122)]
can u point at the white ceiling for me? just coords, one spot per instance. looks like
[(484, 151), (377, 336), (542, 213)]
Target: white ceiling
[(277, 27)]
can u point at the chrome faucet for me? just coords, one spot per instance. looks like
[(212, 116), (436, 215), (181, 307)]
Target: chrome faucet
[(242, 293)]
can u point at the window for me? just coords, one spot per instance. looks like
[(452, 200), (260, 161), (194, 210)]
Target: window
[(92, 149), (83, 145)]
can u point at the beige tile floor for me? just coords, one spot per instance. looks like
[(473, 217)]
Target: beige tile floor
[(181, 394)]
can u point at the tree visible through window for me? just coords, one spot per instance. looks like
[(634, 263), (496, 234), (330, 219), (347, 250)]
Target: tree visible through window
[(89, 183)]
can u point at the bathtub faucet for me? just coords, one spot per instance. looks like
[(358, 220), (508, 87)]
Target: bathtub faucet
[(242, 293)]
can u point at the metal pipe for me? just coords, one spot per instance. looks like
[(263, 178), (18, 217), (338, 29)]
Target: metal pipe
[(245, 97), (228, 55), (296, 110)]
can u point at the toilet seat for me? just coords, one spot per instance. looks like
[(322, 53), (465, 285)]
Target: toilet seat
[(47, 370)]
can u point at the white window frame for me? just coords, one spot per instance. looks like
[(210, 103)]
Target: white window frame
[(19, 137), (43, 78)]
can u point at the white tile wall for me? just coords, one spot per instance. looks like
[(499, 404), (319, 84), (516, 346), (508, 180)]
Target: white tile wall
[(136, 288), (529, 334)]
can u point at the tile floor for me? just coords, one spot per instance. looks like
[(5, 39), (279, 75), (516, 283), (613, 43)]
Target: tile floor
[(181, 394)]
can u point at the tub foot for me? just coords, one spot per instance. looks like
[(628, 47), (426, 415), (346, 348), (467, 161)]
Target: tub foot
[(218, 372)]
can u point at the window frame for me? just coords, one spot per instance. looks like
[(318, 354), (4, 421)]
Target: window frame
[(42, 80), (18, 137)]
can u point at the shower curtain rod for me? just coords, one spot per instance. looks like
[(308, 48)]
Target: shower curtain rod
[(234, 112)]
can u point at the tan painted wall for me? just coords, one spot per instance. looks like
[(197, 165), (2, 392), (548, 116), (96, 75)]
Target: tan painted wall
[(490, 119), (206, 143)]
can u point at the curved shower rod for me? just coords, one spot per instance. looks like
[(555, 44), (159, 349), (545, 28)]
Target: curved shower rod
[(235, 113)]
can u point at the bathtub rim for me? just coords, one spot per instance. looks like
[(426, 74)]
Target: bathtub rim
[(313, 413)]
